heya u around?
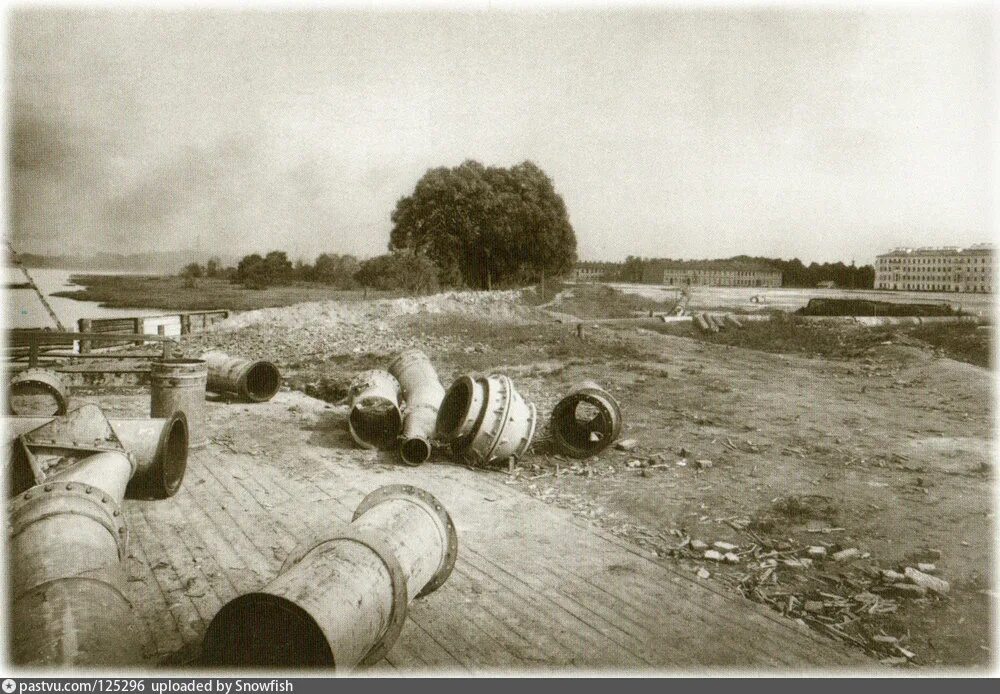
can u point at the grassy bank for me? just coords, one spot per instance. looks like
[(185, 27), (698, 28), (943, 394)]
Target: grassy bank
[(175, 294)]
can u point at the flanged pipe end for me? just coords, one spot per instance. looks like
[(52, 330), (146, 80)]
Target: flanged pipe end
[(414, 451), (171, 457), (260, 382), (264, 630), (436, 509)]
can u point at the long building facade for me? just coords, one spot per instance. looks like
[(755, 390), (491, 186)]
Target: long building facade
[(711, 274), (939, 269)]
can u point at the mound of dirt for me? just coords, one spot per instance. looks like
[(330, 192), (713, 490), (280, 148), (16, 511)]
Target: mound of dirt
[(499, 306)]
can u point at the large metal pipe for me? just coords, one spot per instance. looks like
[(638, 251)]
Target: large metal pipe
[(341, 598), (586, 421), (37, 392), (422, 393), (251, 380), (178, 385), (485, 420), (374, 420), (159, 448), (67, 542)]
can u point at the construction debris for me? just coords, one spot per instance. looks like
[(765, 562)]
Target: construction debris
[(422, 394), (375, 420), (927, 581), (38, 392), (586, 421), (251, 380)]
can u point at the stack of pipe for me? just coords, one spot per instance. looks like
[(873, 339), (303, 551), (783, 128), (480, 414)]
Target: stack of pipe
[(68, 541), (586, 421), (422, 395), (341, 598), (248, 379), (485, 420)]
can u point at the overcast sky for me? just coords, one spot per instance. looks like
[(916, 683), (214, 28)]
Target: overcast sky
[(681, 133)]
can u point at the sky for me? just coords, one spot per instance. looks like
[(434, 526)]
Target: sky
[(672, 132)]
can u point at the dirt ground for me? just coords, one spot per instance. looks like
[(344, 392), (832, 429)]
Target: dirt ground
[(888, 452)]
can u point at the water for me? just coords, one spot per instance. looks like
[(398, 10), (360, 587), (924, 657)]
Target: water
[(25, 310)]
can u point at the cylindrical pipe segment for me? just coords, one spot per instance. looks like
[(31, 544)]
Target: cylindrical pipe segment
[(178, 385), (68, 540), (485, 420), (341, 598), (158, 447), (374, 420), (38, 392), (422, 393), (586, 421), (252, 380)]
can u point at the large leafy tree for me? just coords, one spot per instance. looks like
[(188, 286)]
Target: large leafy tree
[(486, 225)]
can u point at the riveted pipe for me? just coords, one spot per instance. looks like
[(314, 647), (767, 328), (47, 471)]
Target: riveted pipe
[(67, 543), (422, 393), (586, 421), (251, 380), (374, 420), (485, 420), (341, 597), (159, 448), (37, 392)]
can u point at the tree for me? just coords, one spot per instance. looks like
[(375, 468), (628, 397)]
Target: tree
[(484, 226), (338, 270), (213, 268), (257, 273), (401, 270), (191, 273)]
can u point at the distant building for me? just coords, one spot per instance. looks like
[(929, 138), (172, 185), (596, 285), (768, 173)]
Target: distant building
[(587, 271), (941, 269), (710, 273), (826, 284)]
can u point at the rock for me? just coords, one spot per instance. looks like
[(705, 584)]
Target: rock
[(846, 554), (682, 463), (713, 555), (817, 551), (634, 463), (890, 576), (703, 573), (938, 585), (703, 464), (732, 558), (723, 546), (927, 568), (813, 606), (908, 590), (881, 638), (626, 444), (701, 546), (798, 562)]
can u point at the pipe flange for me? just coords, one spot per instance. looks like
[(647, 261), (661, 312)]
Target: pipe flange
[(400, 598), (430, 502), (83, 498), (44, 378)]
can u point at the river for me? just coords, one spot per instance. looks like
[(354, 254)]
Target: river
[(23, 304)]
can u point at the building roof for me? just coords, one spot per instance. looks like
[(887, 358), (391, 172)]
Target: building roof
[(938, 250), (735, 265)]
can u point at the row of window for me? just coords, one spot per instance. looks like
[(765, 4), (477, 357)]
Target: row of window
[(935, 287)]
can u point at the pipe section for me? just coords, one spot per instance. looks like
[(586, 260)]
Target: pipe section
[(586, 421), (252, 381), (485, 420), (67, 543), (37, 392), (178, 385), (423, 393), (341, 598), (159, 448), (374, 420)]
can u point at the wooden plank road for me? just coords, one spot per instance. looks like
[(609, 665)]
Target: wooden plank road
[(533, 588)]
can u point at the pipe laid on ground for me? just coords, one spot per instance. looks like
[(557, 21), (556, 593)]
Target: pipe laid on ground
[(31, 383), (251, 380), (67, 543), (374, 420), (485, 420), (178, 385), (159, 448), (341, 598), (422, 393), (586, 421)]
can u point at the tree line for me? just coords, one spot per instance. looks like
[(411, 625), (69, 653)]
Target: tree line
[(464, 226)]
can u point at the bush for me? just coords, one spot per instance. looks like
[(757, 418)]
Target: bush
[(402, 270)]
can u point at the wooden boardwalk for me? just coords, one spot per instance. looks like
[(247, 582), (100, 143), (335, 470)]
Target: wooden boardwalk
[(533, 587)]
